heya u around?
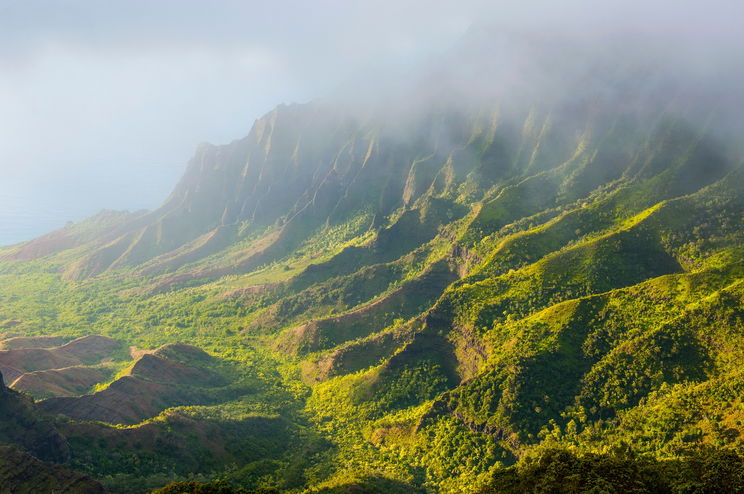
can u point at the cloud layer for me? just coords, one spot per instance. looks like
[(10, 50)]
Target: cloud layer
[(103, 102)]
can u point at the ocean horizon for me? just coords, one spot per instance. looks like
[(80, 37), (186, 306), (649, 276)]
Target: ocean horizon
[(29, 209)]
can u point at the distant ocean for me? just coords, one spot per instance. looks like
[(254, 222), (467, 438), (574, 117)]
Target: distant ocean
[(28, 210)]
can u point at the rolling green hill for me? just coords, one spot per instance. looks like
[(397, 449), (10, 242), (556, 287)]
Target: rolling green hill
[(485, 297)]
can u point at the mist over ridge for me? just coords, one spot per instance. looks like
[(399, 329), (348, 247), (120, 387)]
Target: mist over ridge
[(163, 77), (421, 248)]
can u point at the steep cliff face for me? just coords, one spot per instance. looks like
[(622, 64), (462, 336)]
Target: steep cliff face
[(305, 166), (442, 290)]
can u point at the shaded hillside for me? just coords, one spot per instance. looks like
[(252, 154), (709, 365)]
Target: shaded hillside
[(172, 445), (420, 302), (172, 376), (38, 367), (23, 426), (562, 471), (21, 473), (177, 445)]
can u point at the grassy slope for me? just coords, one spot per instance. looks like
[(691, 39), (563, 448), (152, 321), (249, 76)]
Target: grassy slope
[(600, 289)]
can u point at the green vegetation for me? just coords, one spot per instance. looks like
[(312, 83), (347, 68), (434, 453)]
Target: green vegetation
[(517, 307), (555, 470), (21, 473)]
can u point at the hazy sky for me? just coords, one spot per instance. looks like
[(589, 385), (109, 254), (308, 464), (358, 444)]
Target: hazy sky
[(103, 102)]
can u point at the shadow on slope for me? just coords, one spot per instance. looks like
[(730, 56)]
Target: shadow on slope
[(174, 375)]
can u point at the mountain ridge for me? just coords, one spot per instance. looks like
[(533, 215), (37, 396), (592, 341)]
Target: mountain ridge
[(428, 301)]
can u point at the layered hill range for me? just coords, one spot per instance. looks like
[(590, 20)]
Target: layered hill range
[(29, 441), (96, 378), (460, 278), (84, 409)]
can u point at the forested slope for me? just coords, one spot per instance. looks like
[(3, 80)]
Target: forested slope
[(466, 298)]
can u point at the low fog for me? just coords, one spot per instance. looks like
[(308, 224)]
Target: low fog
[(102, 103)]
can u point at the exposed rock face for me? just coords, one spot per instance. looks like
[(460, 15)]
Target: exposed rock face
[(303, 166), (547, 241)]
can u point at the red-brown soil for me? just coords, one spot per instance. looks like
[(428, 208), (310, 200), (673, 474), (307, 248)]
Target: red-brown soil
[(20, 342), (69, 381), (154, 384), (87, 350)]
